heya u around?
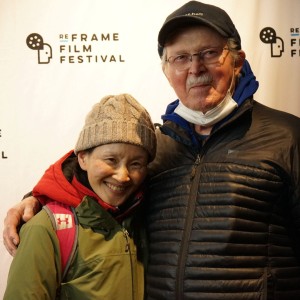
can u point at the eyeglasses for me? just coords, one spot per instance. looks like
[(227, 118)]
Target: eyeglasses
[(208, 56)]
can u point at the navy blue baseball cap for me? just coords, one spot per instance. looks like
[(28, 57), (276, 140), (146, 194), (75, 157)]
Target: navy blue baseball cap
[(198, 13)]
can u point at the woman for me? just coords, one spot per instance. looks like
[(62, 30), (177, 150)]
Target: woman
[(102, 181)]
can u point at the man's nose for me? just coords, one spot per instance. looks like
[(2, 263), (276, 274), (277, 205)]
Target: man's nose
[(196, 65)]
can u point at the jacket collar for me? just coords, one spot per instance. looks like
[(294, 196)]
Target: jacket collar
[(91, 214)]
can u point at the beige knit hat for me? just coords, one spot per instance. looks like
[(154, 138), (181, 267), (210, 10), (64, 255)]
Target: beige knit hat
[(118, 119)]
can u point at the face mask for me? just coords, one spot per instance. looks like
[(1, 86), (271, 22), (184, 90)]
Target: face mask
[(211, 117)]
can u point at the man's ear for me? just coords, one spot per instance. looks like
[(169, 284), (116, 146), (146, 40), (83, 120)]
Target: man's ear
[(82, 160), (238, 64), (166, 72)]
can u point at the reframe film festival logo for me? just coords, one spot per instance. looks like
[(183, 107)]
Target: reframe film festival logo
[(44, 51), (268, 36), (77, 48)]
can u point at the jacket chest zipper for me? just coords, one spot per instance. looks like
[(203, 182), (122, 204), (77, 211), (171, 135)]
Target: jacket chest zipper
[(195, 166), (127, 249), (126, 235), (195, 176)]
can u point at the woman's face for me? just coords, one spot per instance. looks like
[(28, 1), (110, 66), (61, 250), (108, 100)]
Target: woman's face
[(115, 171)]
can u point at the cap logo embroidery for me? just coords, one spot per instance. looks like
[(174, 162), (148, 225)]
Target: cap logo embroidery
[(63, 221), (194, 14)]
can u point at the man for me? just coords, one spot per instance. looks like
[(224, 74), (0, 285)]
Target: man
[(224, 206)]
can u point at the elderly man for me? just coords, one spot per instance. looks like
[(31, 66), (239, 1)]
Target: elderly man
[(223, 214)]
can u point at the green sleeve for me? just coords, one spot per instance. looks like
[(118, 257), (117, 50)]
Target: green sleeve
[(35, 270)]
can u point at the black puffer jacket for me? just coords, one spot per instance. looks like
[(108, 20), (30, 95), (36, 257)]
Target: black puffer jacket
[(224, 221)]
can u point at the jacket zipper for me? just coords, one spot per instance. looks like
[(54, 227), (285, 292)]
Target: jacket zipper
[(196, 164), (127, 249), (126, 235), (195, 176)]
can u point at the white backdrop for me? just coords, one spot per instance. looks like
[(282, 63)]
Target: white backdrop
[(106, 47)]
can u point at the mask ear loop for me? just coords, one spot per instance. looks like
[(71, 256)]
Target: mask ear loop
[(230, 89)]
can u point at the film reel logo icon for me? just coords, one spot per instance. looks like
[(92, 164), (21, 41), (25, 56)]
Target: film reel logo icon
[(268, 36), (35, 42)]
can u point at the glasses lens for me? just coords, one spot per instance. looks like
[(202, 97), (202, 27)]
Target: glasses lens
[(207, 57)]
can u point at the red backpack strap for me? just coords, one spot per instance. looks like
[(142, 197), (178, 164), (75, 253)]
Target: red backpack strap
[(65, 223)]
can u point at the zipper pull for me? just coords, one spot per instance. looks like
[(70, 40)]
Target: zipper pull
[(126, 234), (196, 164)]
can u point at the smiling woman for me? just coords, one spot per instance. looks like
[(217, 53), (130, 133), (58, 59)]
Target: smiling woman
[(102, 182)]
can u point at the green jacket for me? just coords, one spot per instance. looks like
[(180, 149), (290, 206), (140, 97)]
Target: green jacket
[(105, 264), (105, 251)]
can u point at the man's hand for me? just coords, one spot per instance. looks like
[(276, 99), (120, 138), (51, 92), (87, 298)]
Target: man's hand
[(22, 212)]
